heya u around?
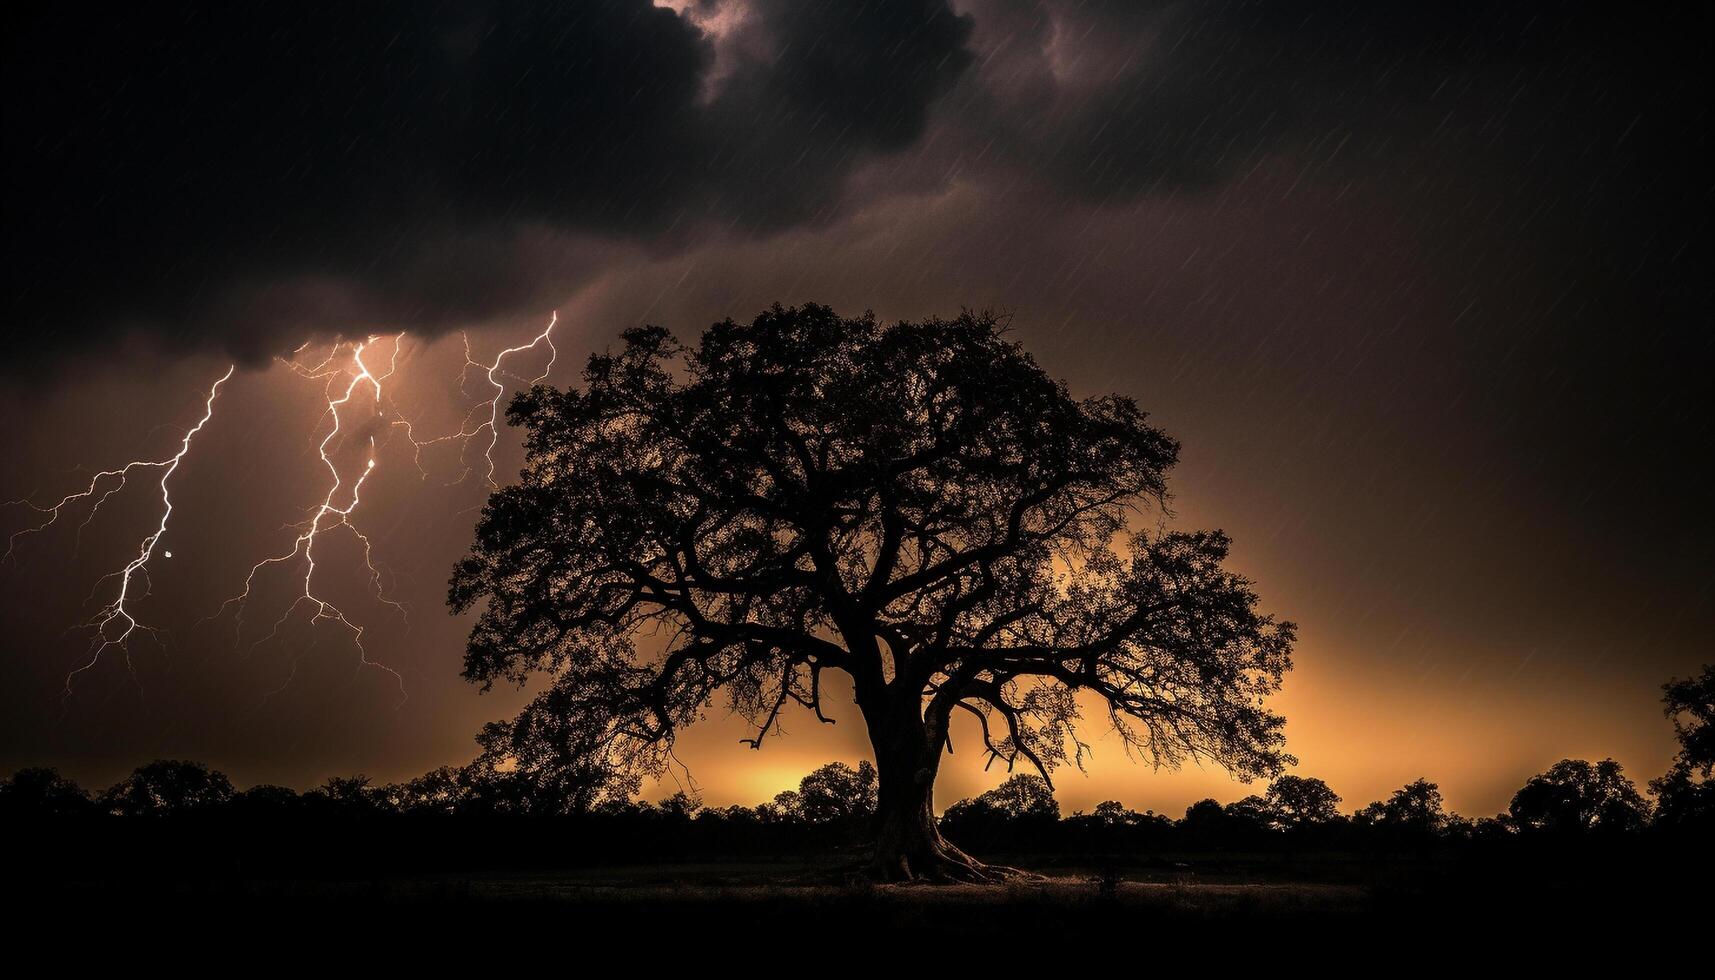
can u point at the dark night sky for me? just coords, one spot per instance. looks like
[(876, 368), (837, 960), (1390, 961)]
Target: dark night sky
[(1424, 292)]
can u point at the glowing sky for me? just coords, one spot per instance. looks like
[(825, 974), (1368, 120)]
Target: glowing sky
[(1425, 299)]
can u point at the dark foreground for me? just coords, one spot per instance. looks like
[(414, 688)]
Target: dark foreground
[(1246, 904)]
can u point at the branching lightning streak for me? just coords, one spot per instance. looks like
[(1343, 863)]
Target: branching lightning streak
[(347, 376), (329, 515), (490, 424), (119, 610), (54, 512)]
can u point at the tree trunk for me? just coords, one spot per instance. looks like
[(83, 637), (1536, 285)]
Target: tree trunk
[(909, 845)]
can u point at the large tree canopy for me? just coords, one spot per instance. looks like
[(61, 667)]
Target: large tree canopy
[(918, 506)]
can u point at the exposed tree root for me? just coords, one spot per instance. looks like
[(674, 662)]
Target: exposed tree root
[(942, 863)]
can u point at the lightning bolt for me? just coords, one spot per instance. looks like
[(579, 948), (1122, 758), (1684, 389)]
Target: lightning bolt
[(53, 513), (114, 624), (335, 510), (347, 378), (489, 406)]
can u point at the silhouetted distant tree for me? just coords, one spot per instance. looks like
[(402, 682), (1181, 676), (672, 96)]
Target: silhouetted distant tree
[(445, 791), (837, 793), (536, 765), (1685, 795), (681, 807), (785, 806), (1301, 801), (1574, 796), (1251, 813), (43, 793), (1023, 797), (347, 796), (1487, 829), (168, 787), (1021, 810), (1414, 808), (1113, 813), (1206, 824), (264, 800), (919, 507), (1111, 826), (735, 814)]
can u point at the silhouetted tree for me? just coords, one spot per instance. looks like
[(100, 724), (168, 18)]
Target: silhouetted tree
[(1301, 801), (346, 796), (265, 801), (919, 507), (735, 814), (533, 765), (785, 806), (1414, 808), (168, 787), (445, 790), (1023, 797), (1113, 813), (1685, 794), (1486, 829), (1574, 796), (837, 793), (679, 808), (1250, 812), (1111, 826), (42, 793), (1020, 811), (1206, 824)]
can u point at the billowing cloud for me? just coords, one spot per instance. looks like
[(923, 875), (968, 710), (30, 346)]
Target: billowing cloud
[(207, 175), (217, 173)]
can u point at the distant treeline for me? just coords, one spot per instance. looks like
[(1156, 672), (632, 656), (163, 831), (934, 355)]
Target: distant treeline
[(171, 817)]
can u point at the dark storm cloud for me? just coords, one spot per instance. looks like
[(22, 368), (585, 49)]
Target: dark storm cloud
[(818, 86), (1108, 99), (237, 175), (1546, 163), (220, 173)]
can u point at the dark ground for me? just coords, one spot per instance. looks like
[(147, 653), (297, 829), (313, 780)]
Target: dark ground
[(1387, 906)]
